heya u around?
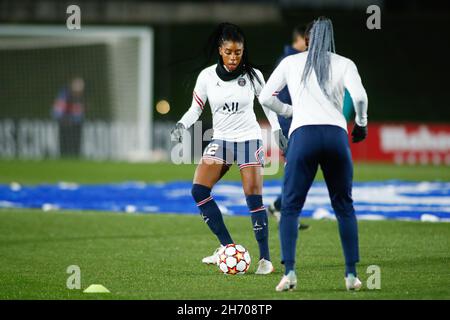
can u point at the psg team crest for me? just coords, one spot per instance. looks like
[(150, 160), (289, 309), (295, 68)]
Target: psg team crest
[(241, 82)]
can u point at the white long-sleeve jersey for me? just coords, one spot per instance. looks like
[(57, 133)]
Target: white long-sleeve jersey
[(310, 105), (231, 105)]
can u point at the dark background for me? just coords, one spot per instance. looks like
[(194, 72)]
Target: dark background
[(404, 66)]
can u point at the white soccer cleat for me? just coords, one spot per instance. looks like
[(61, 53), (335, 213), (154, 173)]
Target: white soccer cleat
[(352, 282), (214, 258), (274, 212), (287, 283), (264, 267)]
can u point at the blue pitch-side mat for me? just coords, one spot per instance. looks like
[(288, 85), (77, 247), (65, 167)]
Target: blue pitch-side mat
[(426, 201)]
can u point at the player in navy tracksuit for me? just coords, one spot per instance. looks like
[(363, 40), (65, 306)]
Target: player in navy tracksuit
[(317, 80), (299, 44)]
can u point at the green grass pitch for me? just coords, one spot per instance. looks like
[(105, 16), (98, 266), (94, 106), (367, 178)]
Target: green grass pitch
[(157, 256)]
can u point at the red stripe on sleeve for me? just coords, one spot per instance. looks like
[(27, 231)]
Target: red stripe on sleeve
[(201, 101), (198, 102)]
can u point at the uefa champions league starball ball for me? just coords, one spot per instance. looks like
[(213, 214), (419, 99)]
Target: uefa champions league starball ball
[(234, 259)]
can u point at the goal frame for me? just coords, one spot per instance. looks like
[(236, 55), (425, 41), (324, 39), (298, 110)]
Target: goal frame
[(107, 32)]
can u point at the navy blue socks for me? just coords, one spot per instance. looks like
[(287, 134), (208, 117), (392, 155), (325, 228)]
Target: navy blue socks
[(260, 224), (213, 218), (211, 213)]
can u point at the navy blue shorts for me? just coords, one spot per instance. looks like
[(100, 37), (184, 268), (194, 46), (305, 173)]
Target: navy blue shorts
[(248, 153)]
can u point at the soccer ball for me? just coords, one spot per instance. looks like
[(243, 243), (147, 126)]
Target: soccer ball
[(234, 259)]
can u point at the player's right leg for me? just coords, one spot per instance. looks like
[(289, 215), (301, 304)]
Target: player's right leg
[(337, 169), (209, 171), (300, 170)]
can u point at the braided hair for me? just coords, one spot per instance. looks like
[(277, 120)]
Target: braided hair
[(321, 44)]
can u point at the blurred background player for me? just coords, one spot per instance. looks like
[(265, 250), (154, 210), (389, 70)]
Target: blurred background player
[(300, 44), (230, 86), (318, 136), (68, 110)]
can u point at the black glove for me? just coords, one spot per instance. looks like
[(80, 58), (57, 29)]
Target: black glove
[(177, 132), (359, 133), (282, 141)]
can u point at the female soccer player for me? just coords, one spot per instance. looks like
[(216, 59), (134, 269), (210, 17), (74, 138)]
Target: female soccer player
[(230, 86), (318, 136)]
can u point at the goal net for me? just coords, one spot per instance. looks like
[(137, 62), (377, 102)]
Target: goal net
[(76, 93)]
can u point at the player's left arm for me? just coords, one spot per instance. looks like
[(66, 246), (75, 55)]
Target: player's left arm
[(268, 94), (353, 83), (273, 119), (270, 115)]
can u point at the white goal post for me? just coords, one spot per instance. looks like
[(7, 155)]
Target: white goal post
[(117, 62)]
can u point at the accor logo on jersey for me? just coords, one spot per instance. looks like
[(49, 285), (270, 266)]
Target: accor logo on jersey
[(231, 109)]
